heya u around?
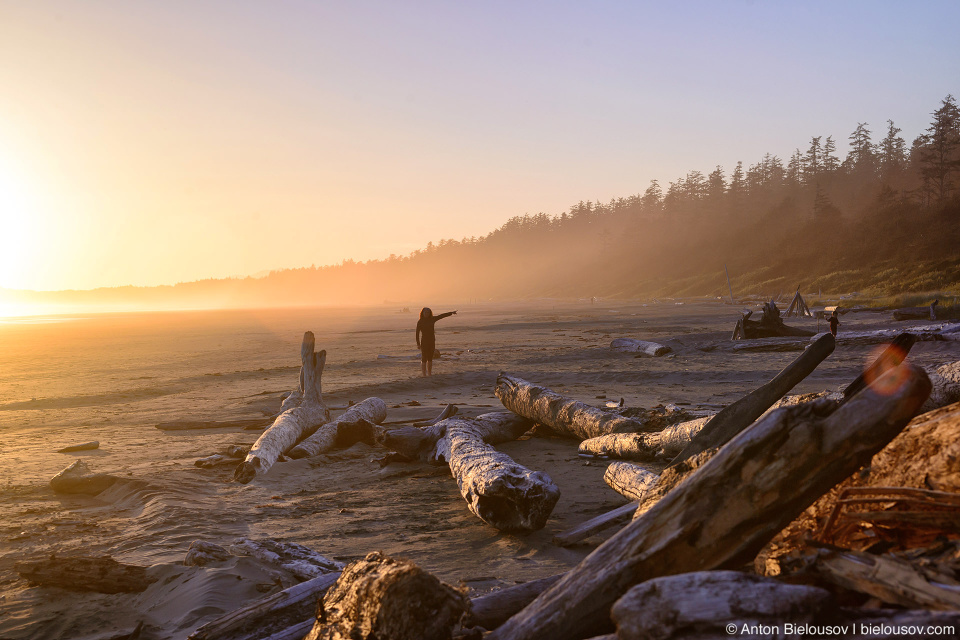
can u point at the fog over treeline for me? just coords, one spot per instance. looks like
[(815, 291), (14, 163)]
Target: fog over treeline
[(885, 218)]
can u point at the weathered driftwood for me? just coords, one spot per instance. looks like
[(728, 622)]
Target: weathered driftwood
[(296, 632), (493, 609), (86, 446), (562, 415), (98, 574), (738, 416), (79, 478), (186, 425), (724, 513), (946, 386), (379, 598), (640, 347), (917, 313), (499, 491), (645, 446), (302, 562), (595, 525), (890, 579), (629, 480), (201, 553), (229, 455), (705, 604), (294, 423), (344, 430), (284, 608)]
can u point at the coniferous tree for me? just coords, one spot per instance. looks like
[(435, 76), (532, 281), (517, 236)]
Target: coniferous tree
[(891, 153), (940, 150), (830, 161), (813, 161), (861, 159)]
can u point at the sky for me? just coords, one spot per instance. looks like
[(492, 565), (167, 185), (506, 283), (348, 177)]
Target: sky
[(159, 142)]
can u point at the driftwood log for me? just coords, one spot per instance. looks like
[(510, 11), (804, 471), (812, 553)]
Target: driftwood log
[(294, 423), (724, 513), (645, 446), (448, 412), (379, 598), (736, 417), (98, 574), (594, 525), (302, 562), (280, 610), (499, 491), (770, 325), (241, 423), (85, 446), (705, 604), (917, 313), (493, 609), (891, 357), (345, 430), (79, 478), (946, 386), (640, 347), (629, 480), (201, 553), (562, 415), (890, 579)]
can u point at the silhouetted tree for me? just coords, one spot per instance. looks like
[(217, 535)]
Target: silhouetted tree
[(939, 158)]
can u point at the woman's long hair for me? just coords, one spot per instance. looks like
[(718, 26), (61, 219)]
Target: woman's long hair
[(426, 312)]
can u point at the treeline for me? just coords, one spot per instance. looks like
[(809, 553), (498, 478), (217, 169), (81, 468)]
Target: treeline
[(886, 219)]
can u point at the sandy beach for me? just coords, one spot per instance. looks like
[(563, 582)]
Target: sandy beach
[(113, 378)]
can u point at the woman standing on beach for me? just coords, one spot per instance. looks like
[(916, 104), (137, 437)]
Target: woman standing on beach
[(427, 343)]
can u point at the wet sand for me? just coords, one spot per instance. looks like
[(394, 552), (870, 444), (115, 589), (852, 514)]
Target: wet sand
[(112, 378)]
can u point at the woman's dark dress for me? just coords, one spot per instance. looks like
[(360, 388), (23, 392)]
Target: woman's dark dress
[(428, 343)]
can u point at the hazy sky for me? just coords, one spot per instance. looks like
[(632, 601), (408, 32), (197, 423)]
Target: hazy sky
[(156, 142)]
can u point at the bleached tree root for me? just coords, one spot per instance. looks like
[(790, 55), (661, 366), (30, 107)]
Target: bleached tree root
[(629, 480), (302, 562), (293, 424), (724, 513), (645, 446), (563, 415), (640, 347), (344, 430), (379, 598)]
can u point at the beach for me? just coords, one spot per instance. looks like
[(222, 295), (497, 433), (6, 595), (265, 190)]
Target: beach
[(113, 377)]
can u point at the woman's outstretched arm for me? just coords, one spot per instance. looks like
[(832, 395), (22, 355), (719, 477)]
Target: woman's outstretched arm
[(444, 315)]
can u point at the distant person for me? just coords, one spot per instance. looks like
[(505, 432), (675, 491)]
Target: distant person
[(834, 323), (427, 344)]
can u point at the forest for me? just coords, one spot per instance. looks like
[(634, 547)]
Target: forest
[(883, 221)]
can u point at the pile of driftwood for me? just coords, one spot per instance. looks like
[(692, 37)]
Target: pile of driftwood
[(716, 541), (770, 325)]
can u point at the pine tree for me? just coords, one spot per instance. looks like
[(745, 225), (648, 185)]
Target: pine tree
[(813, 161), (940, 152), (861, 159), (830, 161), (892, 153)]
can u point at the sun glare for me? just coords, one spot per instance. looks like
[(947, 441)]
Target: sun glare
[(17, 231)]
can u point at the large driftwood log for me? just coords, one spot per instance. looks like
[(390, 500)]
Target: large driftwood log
[(629, 480), (706, 604), (563, 415), (770, 325), (499, 491), (595, 525), (379, 598), (85, 446), (98, 574), (724, 513), (738, 416), (890, 579), (946, 386), (292, 605), (917, 313), (302, 562), (79, 478), (294, 423), (645, 446), (344, 430), (640, 347)]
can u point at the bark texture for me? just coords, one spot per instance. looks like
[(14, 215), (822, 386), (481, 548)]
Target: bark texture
[(629, 480), (563, 415), (379, 598), (645, 446), (344, 430), (293, 424), (724, 513)]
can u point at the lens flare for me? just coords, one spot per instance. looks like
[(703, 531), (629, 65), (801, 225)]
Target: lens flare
[(886, 359)]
